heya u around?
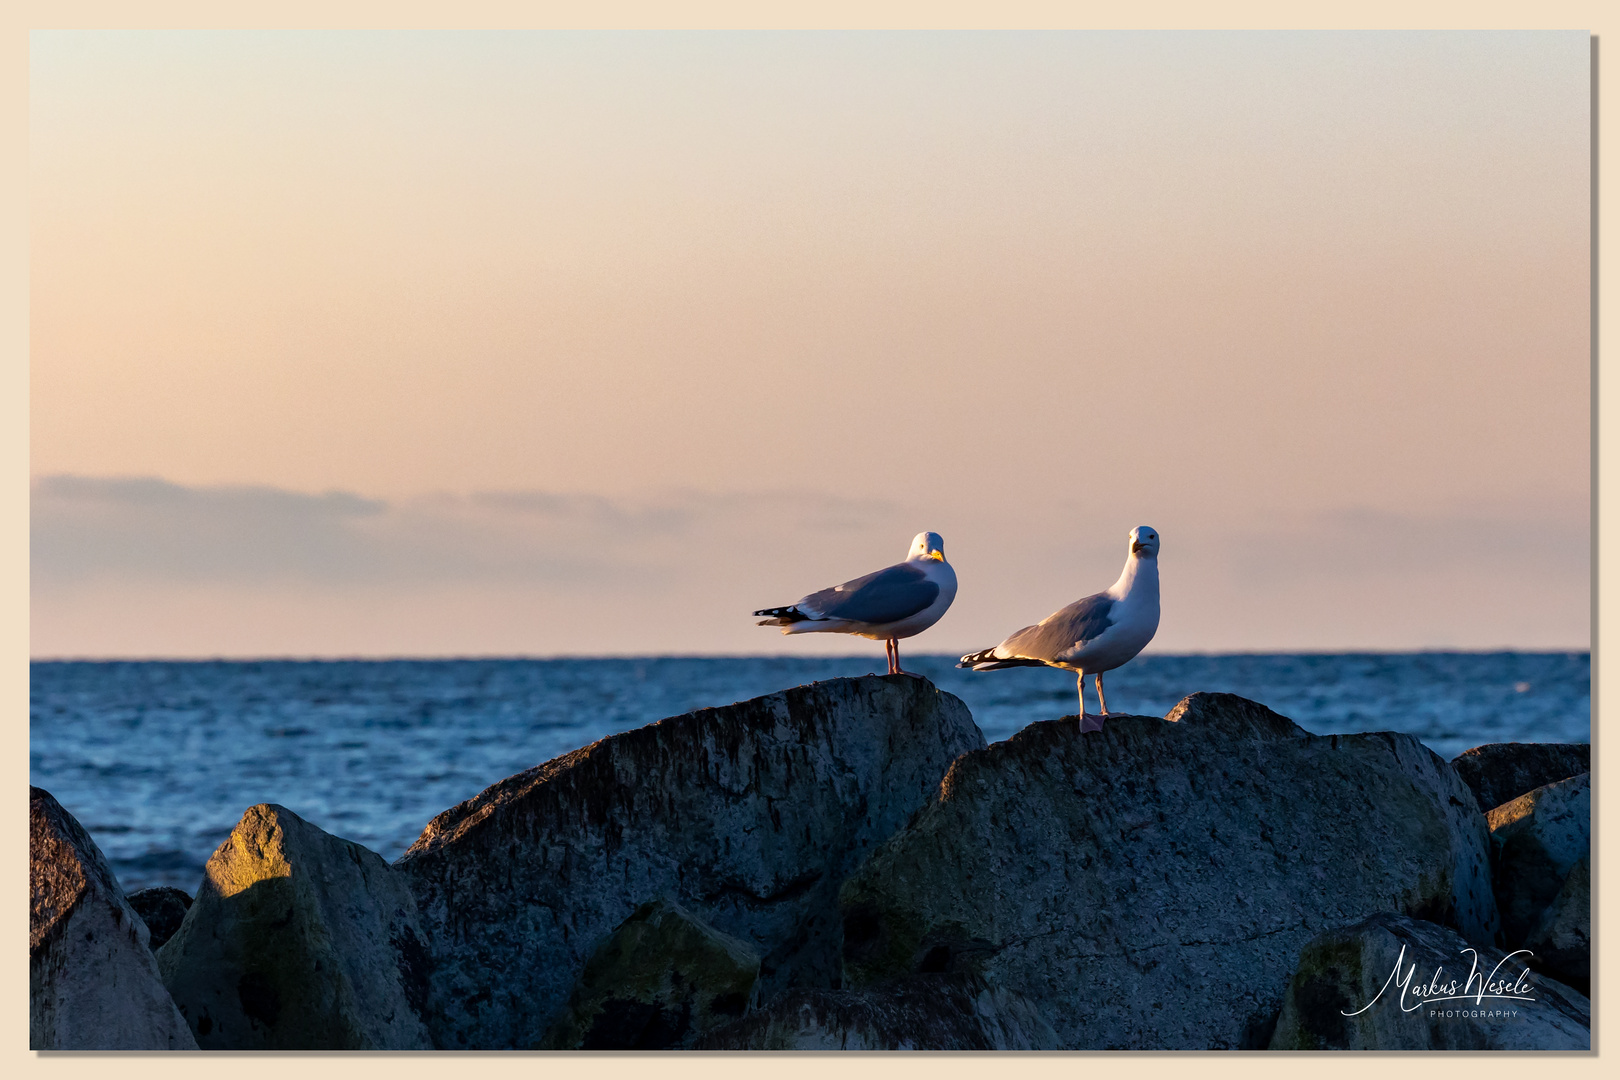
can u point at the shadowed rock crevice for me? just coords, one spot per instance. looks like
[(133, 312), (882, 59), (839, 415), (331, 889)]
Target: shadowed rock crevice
[(162, 909)]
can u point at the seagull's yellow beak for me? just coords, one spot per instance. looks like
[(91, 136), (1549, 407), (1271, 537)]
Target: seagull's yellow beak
[(940, 555)]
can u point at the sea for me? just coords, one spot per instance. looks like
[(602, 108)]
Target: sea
[(158, 759)]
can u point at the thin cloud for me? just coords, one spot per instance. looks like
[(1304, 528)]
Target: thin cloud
[(89, 529)]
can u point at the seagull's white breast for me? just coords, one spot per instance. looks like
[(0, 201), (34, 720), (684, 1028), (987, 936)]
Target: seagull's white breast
[(1135, 619)]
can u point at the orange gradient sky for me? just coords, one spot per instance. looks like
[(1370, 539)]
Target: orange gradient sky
[(428, 343)]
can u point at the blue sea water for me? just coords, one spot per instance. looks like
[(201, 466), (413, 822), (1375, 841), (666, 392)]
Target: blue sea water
[(158, 759)]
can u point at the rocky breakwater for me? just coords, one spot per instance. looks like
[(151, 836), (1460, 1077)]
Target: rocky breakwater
[(92, 981), (748, 817), (1151, 886)]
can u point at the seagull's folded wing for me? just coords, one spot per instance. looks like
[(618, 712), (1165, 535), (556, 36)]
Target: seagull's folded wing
[(889, 595), (1061, 631)]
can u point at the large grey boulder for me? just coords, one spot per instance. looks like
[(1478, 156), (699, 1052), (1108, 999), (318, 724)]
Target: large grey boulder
[(926, 1012), (1536, 840), (749, 816), (1394, 983), (92, 982), (663, 979), (1150, 885), (298, 940), (1501, 772), (1560, 942)]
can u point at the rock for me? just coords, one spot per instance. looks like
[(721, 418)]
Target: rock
[(1394, 983), (749, 816), (662, 979), (1501, 772), (1150, 886), (927, 1012), (1536, 840), (161, 909), (298, 940), (1561, 941), (92, 981)]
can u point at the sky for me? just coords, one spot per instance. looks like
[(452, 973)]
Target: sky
[(592, 343)]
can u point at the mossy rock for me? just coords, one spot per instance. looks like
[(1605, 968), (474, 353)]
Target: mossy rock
[(659, 982), (298, 940)]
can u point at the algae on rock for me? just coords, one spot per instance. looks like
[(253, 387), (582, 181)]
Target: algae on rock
[(661, 981)]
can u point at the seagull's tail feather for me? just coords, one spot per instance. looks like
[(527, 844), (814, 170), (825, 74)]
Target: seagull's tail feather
[(781, 616), (987, 660)]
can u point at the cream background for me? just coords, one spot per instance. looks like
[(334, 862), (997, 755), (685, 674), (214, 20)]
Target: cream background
[(13, 434)]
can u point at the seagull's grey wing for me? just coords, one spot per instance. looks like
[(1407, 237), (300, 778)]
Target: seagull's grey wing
[(888, 595), (1062, 630)]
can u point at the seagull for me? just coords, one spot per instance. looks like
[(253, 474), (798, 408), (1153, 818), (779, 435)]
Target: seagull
[(889, 604), (1093, 635)]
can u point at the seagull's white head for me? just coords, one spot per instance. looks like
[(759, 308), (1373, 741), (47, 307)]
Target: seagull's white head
[(927, 545), (1144, 542)]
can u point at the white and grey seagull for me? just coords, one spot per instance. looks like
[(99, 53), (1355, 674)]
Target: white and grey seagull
[(889, 604), (1093, 635)]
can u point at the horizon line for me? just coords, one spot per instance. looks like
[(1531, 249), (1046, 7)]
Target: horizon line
[(298, 658)]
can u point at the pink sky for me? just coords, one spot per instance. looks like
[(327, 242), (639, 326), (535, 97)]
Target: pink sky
[(587, 324)]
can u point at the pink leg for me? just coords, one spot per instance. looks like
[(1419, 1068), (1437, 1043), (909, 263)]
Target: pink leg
[(1087, 721)]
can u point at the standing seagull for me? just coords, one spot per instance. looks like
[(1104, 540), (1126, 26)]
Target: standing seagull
[(1093, 635), (895, 602)]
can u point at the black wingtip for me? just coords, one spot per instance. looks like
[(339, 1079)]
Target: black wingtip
[(789, 614)]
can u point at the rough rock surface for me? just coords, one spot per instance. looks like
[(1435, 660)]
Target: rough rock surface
[(927, 1012), (1501, 772), (749, 816), (659, 982), (1150, 885), (1478, 999), (298, 940), (1536, 840), (1561, 940), (162, 910), (92, 981)]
